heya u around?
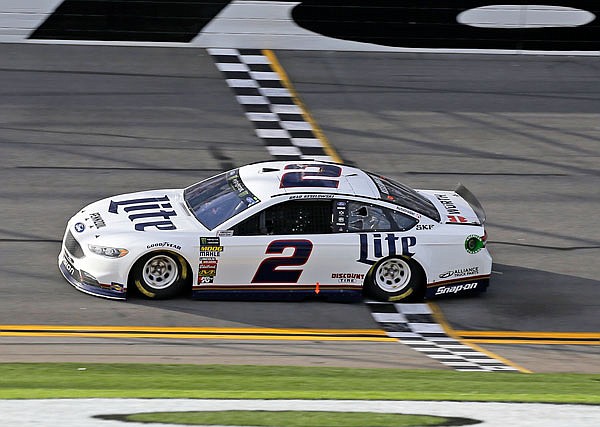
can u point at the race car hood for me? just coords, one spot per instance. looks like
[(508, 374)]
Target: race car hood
[(454, 208), (146, 211)]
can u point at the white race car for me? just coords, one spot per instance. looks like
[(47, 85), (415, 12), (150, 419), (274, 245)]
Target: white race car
[(281, 229)]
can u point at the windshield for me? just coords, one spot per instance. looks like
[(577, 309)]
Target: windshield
[(400, 194), (219, 198)]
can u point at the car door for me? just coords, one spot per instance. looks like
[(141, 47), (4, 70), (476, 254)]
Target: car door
[(292, 245)]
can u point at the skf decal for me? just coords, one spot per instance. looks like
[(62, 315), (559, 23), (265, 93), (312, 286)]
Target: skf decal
[(448, 204), (152, 207), (372, 245), (455, 289), (424, 227)]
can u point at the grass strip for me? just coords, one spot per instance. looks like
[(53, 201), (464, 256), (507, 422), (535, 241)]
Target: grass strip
[(83, 380), (291, 419)]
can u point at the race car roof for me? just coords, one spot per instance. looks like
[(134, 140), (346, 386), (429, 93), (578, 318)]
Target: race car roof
[(268, 179)]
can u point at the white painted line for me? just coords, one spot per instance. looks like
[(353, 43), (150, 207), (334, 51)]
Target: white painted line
[(229, 66), (241, 83), (79, 412), (284, 151)]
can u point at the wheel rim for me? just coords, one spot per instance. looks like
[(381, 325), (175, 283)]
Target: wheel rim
[(160, 272), (393, 275)]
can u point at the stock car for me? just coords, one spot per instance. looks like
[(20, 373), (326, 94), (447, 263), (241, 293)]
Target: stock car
[(281, 229)]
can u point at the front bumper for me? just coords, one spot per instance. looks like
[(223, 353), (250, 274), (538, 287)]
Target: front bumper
[(79, 271)]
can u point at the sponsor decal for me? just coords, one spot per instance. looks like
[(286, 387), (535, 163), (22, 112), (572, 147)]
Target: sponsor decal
[(79, 227), (407, 211), (69, 267), (339, 216), (210, 241), (460, 272), (377, 246), (442, 290), (457, 219), (97, 220), (210, 247), (473, 244), (311, 175), (207, 270), (424, 226), (236, 184), (448, 204), (311, 196), (163, 245), (147, 212), (348, 277), (225, 233), (117, 287)]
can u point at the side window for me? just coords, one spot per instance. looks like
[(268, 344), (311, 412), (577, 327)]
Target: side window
[(366, 217), (291, 217)]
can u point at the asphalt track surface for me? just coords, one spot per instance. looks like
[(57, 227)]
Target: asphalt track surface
[(79, 123)]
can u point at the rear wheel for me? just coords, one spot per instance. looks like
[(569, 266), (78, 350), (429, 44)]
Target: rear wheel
[(160, 275), (396, 279)]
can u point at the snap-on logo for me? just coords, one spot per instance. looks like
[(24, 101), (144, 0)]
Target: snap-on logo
[(455, 289)]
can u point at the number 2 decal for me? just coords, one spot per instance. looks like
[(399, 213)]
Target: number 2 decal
[(267, 271), (310, 178)]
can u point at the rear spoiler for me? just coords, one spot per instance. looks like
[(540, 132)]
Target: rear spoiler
[(463, 192)]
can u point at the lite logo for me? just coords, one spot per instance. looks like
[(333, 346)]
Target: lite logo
[(149, 208), (376, 246)]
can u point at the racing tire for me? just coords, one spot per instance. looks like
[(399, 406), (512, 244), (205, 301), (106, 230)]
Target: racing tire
[(396, 279), (160, 275)]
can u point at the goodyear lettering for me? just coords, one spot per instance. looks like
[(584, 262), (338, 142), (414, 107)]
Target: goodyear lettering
[(163, 245), (372, 245), (442, 290), (153, 207)]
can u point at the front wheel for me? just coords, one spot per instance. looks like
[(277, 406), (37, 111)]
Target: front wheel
[(396, 279), (160, 275)]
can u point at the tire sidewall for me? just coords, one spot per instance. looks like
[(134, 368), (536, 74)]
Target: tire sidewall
[(413, 291), (146, 290)]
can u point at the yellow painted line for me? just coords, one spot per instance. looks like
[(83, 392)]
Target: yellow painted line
[(531, 337), (194, 333), (522, 334), (530, 341), (439, 318), (327, 147)]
